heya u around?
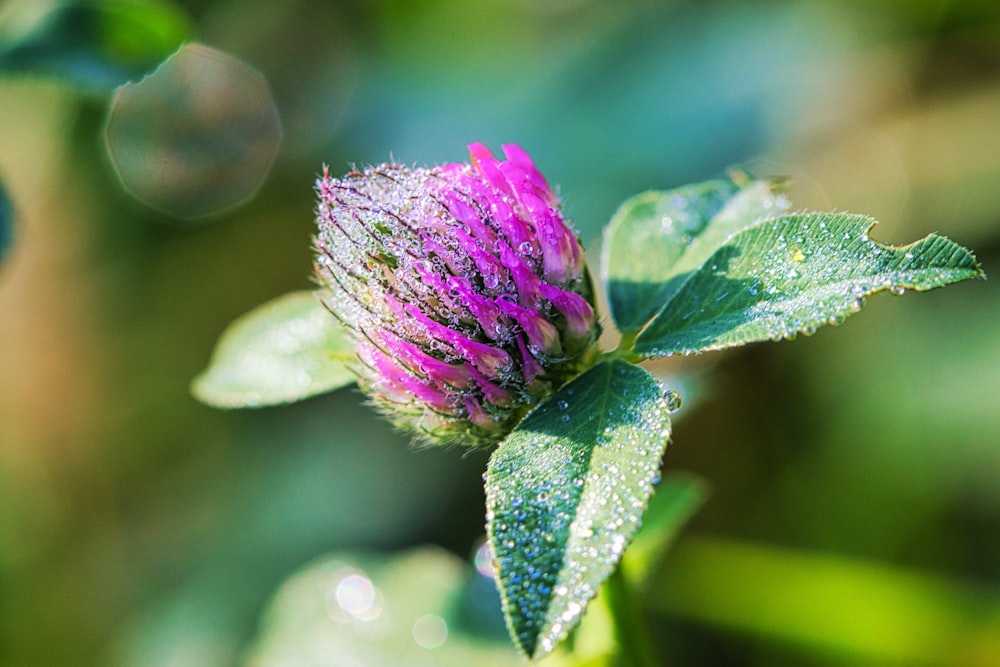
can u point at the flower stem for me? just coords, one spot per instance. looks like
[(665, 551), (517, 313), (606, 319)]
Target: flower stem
[(627, 342), (635, 645), (624, 349)]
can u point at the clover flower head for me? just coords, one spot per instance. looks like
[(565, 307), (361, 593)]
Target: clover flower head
[(464, 286)]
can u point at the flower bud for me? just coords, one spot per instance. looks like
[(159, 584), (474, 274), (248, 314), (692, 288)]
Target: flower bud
[(464, 286)]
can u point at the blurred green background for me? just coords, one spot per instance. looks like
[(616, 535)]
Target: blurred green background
[(855, 508)]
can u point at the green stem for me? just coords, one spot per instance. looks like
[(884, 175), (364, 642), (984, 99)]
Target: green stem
[(624, 349), (635, 646), (627, 342)]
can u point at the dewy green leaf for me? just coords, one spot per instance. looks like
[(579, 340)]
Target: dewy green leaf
[(565, 492), (6, 223), (286, 350), (657, 238), (792, 274), (97, 45)]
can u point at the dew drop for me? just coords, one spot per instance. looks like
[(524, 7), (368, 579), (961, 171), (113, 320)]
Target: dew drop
[(673, 400), (898, 290)]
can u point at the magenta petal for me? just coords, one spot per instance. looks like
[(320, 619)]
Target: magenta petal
[(530, 367), (517, 231), (578, 312), (436, 370), (491, 361), (526, 282), (559, 246), (482, 308), (486, 263), (517, 155), (493, 393), (542, 335), (399, 385), (467, 214), (483, 160), (476, 414), (429, 394)]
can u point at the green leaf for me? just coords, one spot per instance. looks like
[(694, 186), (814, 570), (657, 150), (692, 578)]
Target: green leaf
[(676, 500), (565, 492), (657, 238), (286, 350), (6, 223), (97, 45), (792, 274)]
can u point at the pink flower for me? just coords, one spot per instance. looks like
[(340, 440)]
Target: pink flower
[(465, 287)]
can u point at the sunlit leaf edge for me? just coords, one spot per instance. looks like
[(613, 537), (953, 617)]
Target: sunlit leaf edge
[(742, 202), (658, 339), (538, 473), (333, 359)]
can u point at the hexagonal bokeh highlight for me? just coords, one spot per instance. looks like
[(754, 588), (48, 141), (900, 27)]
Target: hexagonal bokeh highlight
[(195, 137)]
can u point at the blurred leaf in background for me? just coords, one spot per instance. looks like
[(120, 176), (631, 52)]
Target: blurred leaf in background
[(140, 528), (369, 610), (6, 223), (95, 46)]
